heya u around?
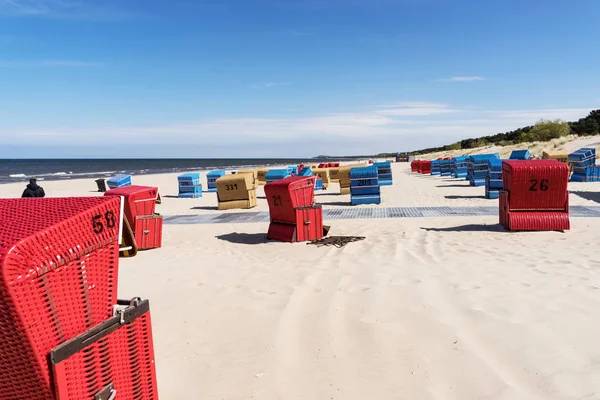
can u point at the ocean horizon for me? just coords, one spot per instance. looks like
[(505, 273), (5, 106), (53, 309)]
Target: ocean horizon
[(20, 170)]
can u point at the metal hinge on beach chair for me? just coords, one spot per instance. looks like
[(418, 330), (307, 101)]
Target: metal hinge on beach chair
[(115, 356)]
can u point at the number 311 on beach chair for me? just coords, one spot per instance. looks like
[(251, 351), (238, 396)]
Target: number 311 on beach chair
[(63, 333)]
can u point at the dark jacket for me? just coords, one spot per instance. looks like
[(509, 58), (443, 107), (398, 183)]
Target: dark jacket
[(33, 190)]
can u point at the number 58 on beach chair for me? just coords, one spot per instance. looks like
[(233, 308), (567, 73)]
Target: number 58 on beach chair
[(63, 333)]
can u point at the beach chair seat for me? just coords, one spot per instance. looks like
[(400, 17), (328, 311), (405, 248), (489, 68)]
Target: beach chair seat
[(308, 225), (535, 195), (294, 216)]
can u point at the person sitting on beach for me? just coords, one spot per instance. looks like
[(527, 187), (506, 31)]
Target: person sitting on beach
[(33, 190)]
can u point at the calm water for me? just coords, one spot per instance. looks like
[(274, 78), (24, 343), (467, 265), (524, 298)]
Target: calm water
[(21, 170)]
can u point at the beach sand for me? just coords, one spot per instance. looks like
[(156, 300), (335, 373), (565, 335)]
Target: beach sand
[(423, 308)]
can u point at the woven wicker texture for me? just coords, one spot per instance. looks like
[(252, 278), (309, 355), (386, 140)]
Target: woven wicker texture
[(536, 184), (285, 195), (58, 278), (124, 358), (425, 167), (537, 221)]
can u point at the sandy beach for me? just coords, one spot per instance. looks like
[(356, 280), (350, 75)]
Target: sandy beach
[(423, 295), (423, 308)]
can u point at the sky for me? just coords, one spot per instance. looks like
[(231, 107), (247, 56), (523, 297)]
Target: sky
[(286, 78)]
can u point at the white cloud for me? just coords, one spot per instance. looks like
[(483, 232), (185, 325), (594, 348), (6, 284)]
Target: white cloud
[(269, 85), (569, 114), (48, 64), (463, 79), (370, 131), (63, 9), (415, 109), (34, 7)]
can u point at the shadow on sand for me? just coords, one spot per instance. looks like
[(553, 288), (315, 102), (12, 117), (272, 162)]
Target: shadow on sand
[(593, 196), (244, 238), (323, 193), (335, 203), (469, 228), (207, 208), (464, 197)]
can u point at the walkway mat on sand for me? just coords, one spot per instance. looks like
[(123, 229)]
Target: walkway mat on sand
[(364, 213), (337, 241)]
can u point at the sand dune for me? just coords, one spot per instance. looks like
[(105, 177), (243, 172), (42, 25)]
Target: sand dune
[(567, 144)]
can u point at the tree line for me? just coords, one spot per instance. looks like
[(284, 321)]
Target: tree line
[(542, 131)]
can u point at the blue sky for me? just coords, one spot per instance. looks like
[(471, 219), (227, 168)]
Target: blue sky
[(276, 78)]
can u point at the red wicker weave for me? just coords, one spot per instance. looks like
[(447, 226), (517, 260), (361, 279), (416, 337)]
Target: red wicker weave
[(425, 167), (115, 357), (536, 184), (58, 278), (537, 221), (414, 165), (285, 195), (532, 220)]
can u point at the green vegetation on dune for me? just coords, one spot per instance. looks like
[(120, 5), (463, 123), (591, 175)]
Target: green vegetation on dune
[(542, 131)]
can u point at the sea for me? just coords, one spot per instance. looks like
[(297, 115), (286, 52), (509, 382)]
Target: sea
[(58, 169)]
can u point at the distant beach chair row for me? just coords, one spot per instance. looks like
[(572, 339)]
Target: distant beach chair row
[(583, 165), (237, 193), (532, 193)]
